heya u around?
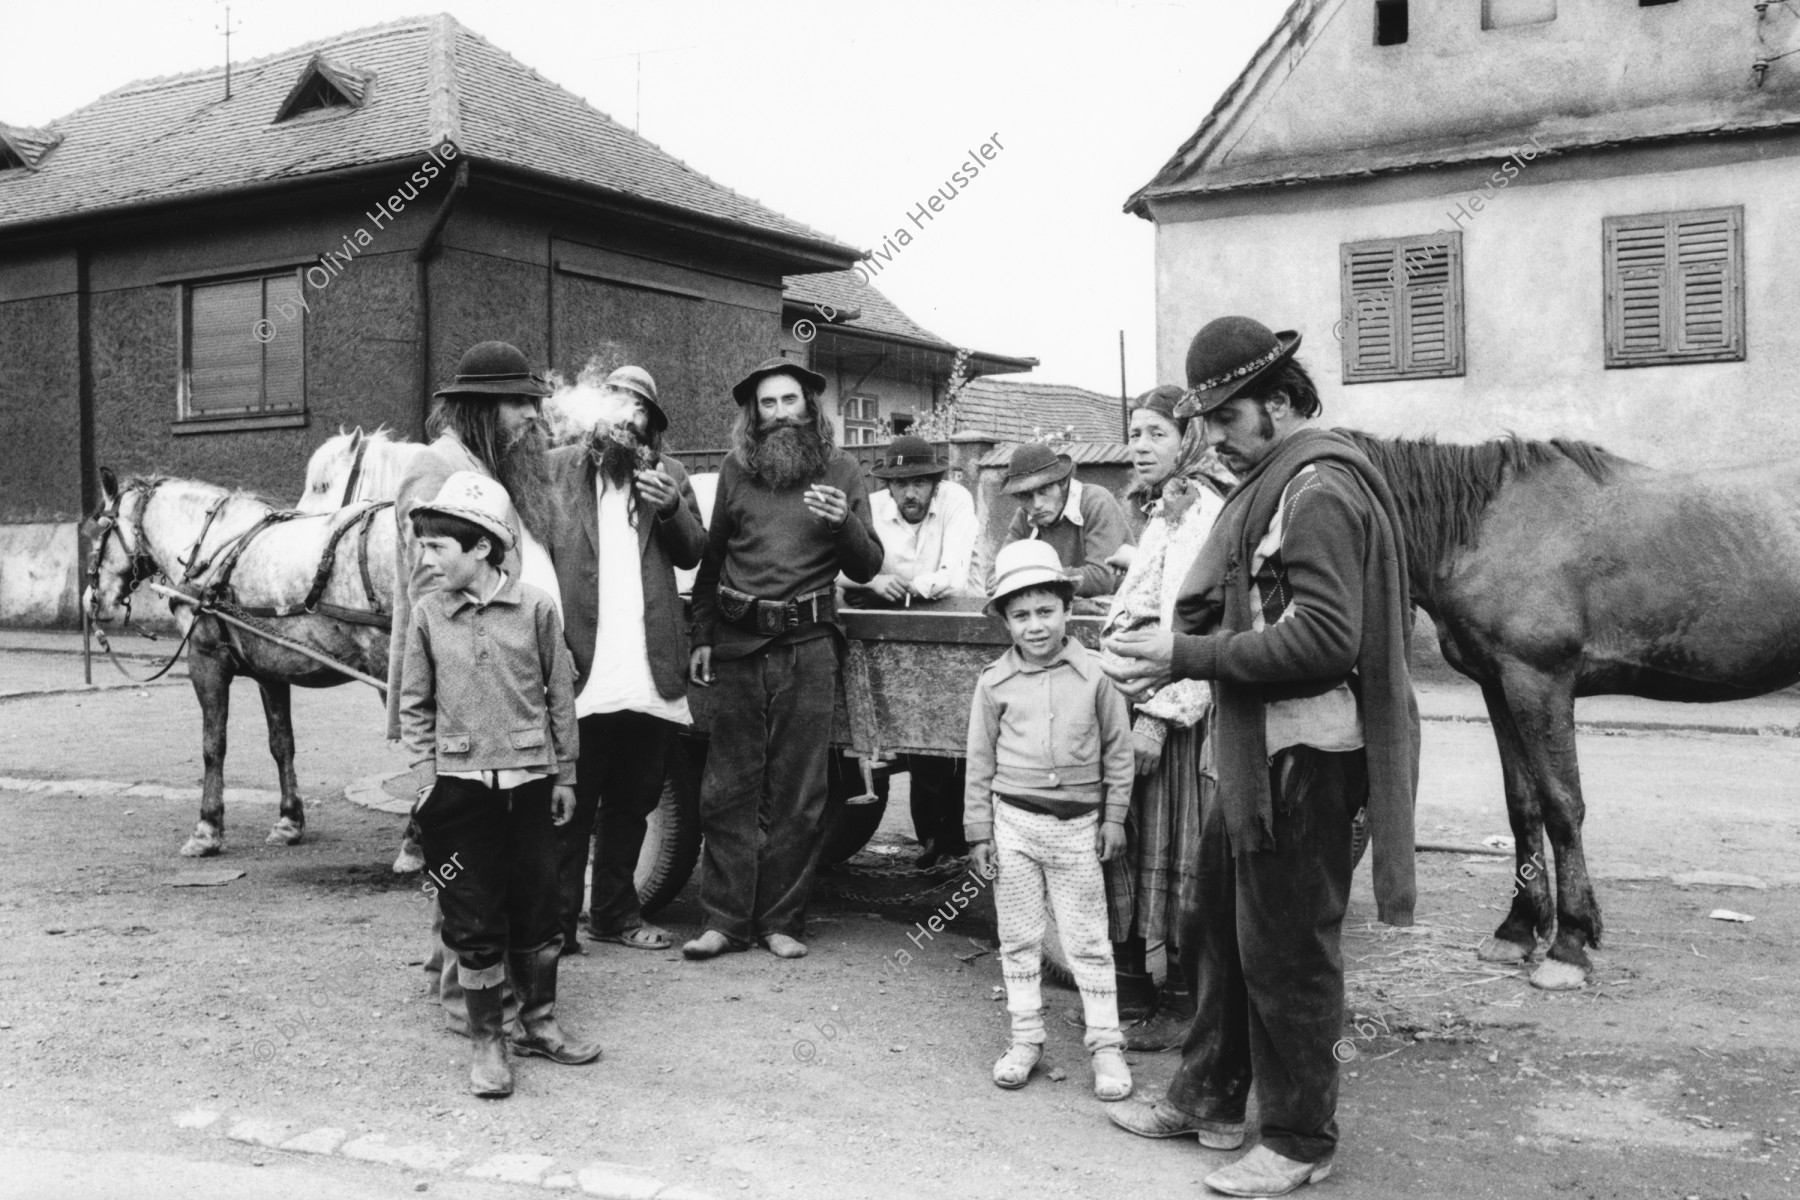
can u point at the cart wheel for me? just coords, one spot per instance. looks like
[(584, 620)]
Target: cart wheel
[(848, 827), (672, 833)]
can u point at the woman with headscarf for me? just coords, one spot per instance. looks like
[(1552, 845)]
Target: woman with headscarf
[(1179, 486)]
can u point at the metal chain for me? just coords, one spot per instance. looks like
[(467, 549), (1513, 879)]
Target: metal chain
[(896, 872)]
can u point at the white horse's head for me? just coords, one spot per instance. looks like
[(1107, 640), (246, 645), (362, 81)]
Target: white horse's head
[(329, 470), (121, 558)]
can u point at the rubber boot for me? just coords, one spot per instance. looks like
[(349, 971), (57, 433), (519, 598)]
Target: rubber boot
[(490, 1074), (534, 974)]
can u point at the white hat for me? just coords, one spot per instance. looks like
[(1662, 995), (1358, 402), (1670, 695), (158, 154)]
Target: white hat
[(1024, 564), (475, 497)]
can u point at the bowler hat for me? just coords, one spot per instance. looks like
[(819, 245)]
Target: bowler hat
[(476, 498), (638, 382), (745, 391), (495, 369), (1227, 356), (909, 457), (1032, 466), (1023, 564)]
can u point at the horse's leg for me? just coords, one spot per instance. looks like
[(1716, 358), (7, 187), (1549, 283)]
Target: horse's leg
[(212, 686), (277, 696), (1543, 709), (1532, 909)]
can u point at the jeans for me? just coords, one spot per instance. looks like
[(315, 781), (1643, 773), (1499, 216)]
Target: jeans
[(619, 782), (501, 897), (1265, 943), (762, 802)]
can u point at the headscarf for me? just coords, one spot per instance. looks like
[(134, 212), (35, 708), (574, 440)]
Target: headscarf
[(1196, 463)]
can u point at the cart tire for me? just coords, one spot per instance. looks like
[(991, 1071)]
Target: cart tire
[(672, 832), (848, 827)]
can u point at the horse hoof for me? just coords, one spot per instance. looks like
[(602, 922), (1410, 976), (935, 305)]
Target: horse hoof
[(1499, 950), (284, 833), (202, 847), (410, 859), (1558, 976)]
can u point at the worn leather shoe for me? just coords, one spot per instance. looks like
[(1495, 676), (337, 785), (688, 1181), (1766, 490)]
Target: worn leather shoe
[(1164, 1120), (1165, 1031), (1262, 1172), (710, 944), (783, 946), (534, 974)]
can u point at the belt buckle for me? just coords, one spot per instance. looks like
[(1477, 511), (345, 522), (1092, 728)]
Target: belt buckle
[(790, 615)]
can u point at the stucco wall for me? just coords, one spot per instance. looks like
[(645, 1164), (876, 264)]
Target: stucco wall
[(40, 410), (1533, 299)]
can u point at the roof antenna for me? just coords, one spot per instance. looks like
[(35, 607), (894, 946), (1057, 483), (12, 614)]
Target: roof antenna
[(227, 28)]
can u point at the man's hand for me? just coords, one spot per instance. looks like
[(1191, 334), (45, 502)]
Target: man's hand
[(981, 857), (1141, 661), (891, 588), (829, 504), (658, 491), (1120, 560), (562, 804), (1110, 841), (1147, 753), (700, 668)]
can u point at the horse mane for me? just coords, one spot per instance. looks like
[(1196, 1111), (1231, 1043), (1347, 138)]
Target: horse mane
[(1444, 488)]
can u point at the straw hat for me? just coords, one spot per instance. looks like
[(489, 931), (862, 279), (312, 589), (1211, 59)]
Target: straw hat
[(1025, 564), (475, 497)]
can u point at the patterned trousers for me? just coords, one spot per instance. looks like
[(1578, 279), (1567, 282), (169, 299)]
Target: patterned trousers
[(1041, 855)]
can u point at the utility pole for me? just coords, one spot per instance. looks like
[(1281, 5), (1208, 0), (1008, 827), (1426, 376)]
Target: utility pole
[(1124, 400)]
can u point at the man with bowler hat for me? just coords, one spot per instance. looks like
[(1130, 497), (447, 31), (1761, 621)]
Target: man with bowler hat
[(927, 527), (790, 513), (627, 519), (1082, 522), (1297, 608)]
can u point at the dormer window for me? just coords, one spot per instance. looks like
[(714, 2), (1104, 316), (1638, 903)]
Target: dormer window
[(22, 147), (323, 85), (1390, 22), (10, 158)]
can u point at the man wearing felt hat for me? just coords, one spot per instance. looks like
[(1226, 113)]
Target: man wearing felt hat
[(791, 512), (626, 519), (1081, 522), (1298, 609)]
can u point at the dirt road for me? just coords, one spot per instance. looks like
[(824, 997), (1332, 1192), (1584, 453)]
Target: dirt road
[(146, 1023)]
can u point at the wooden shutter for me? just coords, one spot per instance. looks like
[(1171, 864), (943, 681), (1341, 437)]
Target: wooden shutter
[(224, 357), (1674, 288), (1402, 313)]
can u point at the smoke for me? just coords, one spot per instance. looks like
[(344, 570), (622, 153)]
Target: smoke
[(575, 410)]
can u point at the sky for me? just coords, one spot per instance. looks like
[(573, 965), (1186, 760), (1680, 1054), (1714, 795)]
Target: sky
[(842, 115)]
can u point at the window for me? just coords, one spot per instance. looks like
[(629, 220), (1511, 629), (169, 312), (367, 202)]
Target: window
[(1510, 14), (323, 85), (241, 352), (1403, 311), (901, 423), (1390, 22), (862, 421), (1675, 287)]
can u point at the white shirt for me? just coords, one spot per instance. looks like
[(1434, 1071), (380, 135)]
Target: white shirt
[(619, 680), (934, 557)]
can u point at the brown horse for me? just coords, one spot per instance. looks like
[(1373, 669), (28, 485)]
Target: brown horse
[(324, 581), (1555, 570)]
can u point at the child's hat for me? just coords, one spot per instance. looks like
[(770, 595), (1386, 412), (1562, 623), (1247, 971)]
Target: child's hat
[(475, 497), (1025, 564)]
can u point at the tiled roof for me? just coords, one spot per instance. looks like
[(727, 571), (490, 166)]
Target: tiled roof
[(428, 79), (1013, 410), (1082, 454), (845, 291)]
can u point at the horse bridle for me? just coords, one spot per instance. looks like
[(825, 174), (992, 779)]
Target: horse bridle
[(355, 476), (106, 524)]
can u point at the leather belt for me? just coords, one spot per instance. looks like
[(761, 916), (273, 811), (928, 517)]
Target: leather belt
[(771, 617)]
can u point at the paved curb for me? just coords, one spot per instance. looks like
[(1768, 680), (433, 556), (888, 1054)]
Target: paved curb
[(132, 791), (88, 689), (369, 793), (607, 1180)]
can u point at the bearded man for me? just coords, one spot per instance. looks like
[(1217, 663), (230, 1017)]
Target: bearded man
[(626, 519), (488, 420), (791, 512)]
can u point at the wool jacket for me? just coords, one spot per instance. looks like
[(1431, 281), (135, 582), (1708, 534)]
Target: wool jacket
[(489, 687), (768, 543), (1058, 734), (664, 544), (1083, 544), (1349, 610)]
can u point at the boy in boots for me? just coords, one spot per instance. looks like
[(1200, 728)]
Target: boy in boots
[(1049, 753), (487, 709)]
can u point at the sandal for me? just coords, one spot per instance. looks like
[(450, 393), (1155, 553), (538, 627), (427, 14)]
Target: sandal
[(1015, 1066), (1112, 1078), (638, 937)]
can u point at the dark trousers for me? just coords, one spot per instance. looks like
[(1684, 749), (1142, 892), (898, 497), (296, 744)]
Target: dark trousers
[(762, 802), (937, 801), (619, 782), (1268, 965), (493, 851)]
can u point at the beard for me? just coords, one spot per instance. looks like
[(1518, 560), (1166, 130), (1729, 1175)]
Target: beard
[(524, 471), (618, 452), (787, 453)]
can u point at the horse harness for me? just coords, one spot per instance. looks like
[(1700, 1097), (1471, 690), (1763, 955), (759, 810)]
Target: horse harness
[(219, 593)]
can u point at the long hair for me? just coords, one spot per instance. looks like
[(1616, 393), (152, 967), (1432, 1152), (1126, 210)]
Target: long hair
[(743, 430), (475, 421)]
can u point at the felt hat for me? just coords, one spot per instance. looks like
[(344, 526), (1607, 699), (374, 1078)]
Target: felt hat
[(1024, 564), (495, 369), (638, 382), (476, 498), (1032, 466), (1227, 356), (909, 457), (745, 391)]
